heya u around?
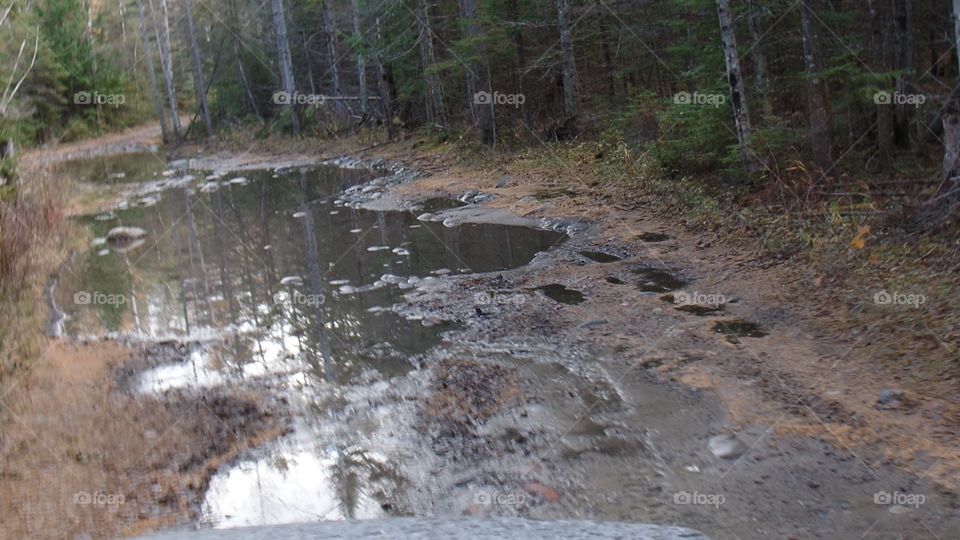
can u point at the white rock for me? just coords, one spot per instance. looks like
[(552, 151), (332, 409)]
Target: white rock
[(727, 446)]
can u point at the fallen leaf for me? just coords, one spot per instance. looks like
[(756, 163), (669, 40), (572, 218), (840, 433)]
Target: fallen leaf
[(860, 240)]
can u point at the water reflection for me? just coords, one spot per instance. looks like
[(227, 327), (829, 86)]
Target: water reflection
[(289, 283)]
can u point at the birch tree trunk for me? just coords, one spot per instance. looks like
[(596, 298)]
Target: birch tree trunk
[(435, 112), (738, 97), (567, 61), (361, 60), (477, 76), (199, 86), (818, 99), (286, 64), (154, 91), (166, 61)]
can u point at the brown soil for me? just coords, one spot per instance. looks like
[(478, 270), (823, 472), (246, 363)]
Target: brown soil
[(80, 454)]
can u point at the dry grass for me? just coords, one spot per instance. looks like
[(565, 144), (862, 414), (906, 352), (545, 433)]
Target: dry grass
[(31, 238)]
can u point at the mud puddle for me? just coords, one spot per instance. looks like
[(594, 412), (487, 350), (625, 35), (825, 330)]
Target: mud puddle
[(288, 290)]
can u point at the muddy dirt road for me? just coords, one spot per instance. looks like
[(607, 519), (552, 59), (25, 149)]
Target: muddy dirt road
[(358, 339)]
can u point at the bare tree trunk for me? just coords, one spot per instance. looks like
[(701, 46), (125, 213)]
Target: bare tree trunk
[(567, 61), (286, 64), (428, 57), (199, 86), (738, 97), (385, 86), (951, 154), (361, 60), (243, 78), (956, 31), (330, 37), (166, 64), (759, 59), (477, 75), (521, 61), (148, 57), (818, 100), (884, 111), (906, 64)]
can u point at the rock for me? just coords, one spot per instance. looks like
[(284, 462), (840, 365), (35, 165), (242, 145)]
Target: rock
[(427, 216), (727, 446), (889, 396), (292, 280), (451, 222), (123, 239), (239, 181), (890, 399)]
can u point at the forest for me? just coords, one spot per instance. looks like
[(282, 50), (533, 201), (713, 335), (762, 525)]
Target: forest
[(807, 96)]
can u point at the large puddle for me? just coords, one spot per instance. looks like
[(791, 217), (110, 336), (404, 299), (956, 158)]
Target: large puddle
[(292, 290)]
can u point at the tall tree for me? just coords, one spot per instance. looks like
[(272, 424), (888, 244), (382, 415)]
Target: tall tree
[(738, 96), (286, 63), (477, 79), (154, 91), (361, 60), (818, 99), (760, 67), (199, 86), (330, 38), (428, 59), (879, 22), (904, 33), (567, 61), (166, 64), (385, 83)]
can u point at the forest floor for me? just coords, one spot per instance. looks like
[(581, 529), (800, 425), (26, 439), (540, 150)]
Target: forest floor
[(876, 383)]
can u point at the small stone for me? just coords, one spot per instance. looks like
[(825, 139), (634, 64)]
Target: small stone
[(889, 396), (727, 446)]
